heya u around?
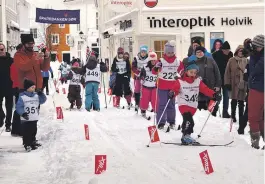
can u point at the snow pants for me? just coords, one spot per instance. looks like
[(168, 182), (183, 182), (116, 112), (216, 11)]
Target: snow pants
[(9, 108), (148, 95), (74, 95), (16, 122), (122, 86), (256, 111), (29, 132), (45, 84), (188, 123), (92, 95), (137, 91), (170, 113)]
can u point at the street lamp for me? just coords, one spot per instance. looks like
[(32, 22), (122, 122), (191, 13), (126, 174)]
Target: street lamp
[(82, 35)]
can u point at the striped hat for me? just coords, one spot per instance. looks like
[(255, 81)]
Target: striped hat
[(258, 41)]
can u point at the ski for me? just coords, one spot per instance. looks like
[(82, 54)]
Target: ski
[(210, 145), (147, 117)]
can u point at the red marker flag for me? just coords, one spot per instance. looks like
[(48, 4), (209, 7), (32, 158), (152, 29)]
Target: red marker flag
[(153, 133), (206, 162), (100, 163), (59, 112), (86, 132)]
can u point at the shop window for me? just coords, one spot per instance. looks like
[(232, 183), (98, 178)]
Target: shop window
[(199, 36), (215, 36), (34, 32), (159, 47)]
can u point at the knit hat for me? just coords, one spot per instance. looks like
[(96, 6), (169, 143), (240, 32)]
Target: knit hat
[(144, 48), (226, 45), (258, 41), (28, 83), (170, 47), (152, 56), (26, 38), (200, 48), (197, 41), (120, 50), (191, 65), (76, 64)]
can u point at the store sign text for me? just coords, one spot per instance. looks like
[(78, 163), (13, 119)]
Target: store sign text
[(125, 24), (199, 21)]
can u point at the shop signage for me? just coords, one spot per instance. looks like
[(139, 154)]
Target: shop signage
[(150, 3), (125, 24), (199, 21), (121, 6)]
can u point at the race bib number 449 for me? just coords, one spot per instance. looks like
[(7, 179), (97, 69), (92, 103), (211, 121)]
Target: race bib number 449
[(93, 73)]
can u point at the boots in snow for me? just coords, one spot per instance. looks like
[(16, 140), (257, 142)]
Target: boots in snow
[(233, 110), (161, 126), (1, 122), (255, 137), (187, 139), (143, 113), (28, 148), (8, 129), (172, 126), (36, 143), (225, 114), (136, 108)]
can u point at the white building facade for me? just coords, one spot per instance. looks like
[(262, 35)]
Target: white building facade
[(181, 20), (85, 34)]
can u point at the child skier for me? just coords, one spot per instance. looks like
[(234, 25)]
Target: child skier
[(148, 84), (167, 69), (74, 90), (28, 108), (138, 63), (64, 68), (122, 83), (188, 88), (92, 71)]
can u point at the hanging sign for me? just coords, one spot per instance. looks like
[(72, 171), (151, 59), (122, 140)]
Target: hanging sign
[(121, 6)]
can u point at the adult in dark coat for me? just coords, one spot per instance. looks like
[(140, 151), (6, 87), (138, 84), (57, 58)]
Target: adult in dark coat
[(221, 58), (6, 88)]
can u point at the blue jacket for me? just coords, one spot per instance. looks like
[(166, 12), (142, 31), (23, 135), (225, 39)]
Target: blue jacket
[(20, 104), (206, 53), (46, 74), (256, 72)]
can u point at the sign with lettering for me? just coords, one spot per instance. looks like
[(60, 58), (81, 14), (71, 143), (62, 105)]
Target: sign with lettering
[(208, 21), (100, 163), (206, 162), (121, 6), (125, 24)]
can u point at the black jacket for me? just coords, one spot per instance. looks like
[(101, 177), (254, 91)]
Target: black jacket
[(5, 79), (128, 67)]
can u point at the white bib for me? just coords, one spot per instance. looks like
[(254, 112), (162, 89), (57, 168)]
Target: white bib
[(189, 93), (65, 69), (150, 79), (31, 107), (93, 75), (75, 79), (121, 65), (169, 70)]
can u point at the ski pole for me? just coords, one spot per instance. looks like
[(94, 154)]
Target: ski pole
[(158, 122), (104, 90), (156, 98)]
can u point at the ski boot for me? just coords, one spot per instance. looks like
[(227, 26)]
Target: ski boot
[(143, 113), (78, 107), (255, 137), (72, 105), (8, 129), (172, 126), (161, 126), (129, 106), (188, 140), (28, 148), (36, 143), (136, 108)]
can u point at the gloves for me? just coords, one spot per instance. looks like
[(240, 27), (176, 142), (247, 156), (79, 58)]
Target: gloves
[(25, 116), (116, 70), (171, 94), (228, 87), (40, 93), (217, 97), (158, 65)]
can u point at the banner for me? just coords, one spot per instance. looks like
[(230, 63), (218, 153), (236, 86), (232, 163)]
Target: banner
[(100, 164), (206, 162), (51, 16), (121, 6)]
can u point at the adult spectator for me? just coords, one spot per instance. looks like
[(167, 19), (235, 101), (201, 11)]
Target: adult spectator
[(29, 63), (209, 72), (234, 81), (196, 43), (217, 45), (46, 76), (221, 57), (256, 91), (6, 88), (16, 123)]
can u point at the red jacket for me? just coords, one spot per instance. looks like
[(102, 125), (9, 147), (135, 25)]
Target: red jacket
[(14, 76), (164, 84), (203, 89)]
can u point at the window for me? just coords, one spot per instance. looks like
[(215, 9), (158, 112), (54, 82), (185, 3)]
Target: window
[(79, 49), (97, 20), (34, 31), (55, 39), (94, 45), (61, 25), (199, 36), (214, 36), (159, 47), (67, 38), (78, 27)]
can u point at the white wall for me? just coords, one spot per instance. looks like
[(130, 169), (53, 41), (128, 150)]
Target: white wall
[(24, 14)]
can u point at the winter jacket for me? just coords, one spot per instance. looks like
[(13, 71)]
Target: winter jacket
[(20, 104), (143, 71), (202, 88), (64, 68), (209, 72), (165, 84), (29, 66), (256, 71), (5, 79), (193, 57), (135, 64), (234, 76), (46, 74), (221, 60), (14, 76), (76, 70), (115, 69)]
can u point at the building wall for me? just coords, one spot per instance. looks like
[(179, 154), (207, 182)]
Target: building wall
[(61, 47)]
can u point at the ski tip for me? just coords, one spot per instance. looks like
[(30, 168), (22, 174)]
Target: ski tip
[(147, 146)]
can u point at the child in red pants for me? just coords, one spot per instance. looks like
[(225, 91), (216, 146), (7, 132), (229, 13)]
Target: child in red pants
[(148, 93), (188, 88)]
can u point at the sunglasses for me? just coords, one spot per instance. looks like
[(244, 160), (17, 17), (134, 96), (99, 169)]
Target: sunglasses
[(2, 49)]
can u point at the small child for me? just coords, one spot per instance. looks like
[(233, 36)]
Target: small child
[(76, 79), (188, 88), (28, 108), (148, 84)]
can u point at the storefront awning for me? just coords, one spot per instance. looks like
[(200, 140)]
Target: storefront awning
[(119, 17), (24, 30), (129, 32)]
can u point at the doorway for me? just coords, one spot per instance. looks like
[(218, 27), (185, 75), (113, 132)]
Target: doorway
[(67, 58)]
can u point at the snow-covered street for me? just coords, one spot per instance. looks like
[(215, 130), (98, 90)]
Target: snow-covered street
[(67, 158)]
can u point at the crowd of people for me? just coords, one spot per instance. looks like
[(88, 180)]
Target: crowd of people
[(192, 83)]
